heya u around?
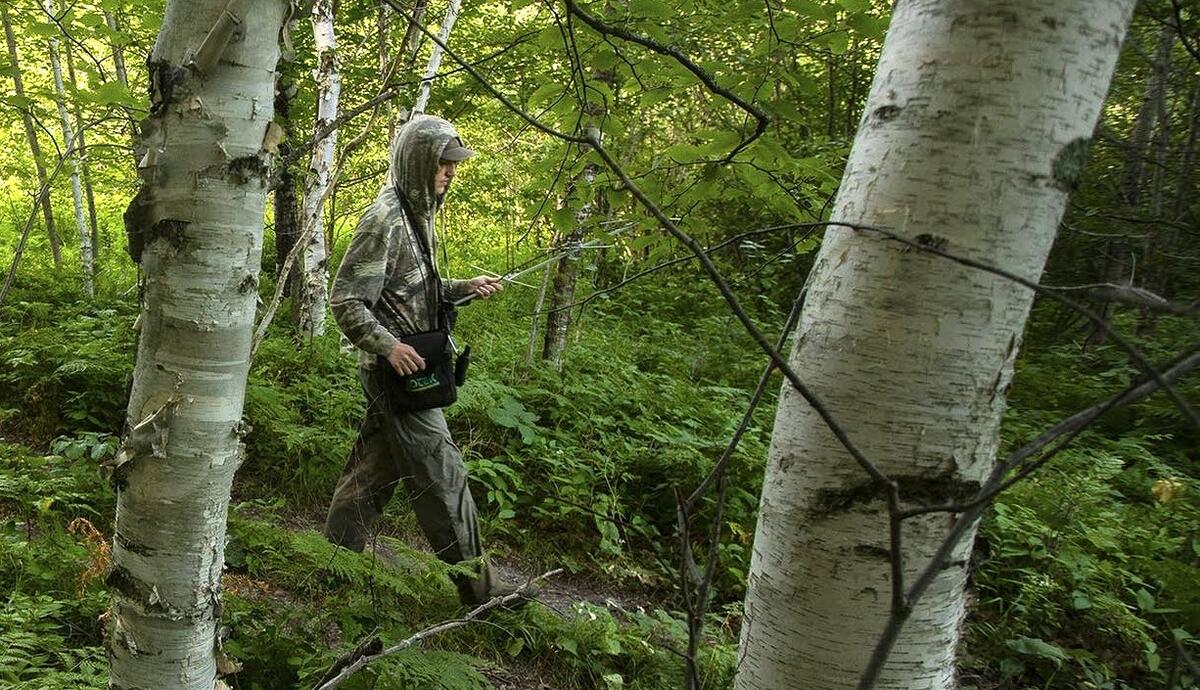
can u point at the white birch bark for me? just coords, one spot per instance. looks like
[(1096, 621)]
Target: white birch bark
[(314, 294), (72, 153), (975, 128), (435, 57), (196, 226)]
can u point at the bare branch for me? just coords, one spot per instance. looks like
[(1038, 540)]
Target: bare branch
[(1133, 296), (760, 115), (372, 650)]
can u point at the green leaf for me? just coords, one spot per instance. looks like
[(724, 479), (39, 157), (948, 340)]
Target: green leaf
[(1080, 601), (1033, 646), (114, 93), (91, 20), (1145, 600), (837, 42), (515, 645), (42, 29), (545, 94), (651, 8), (683, 153), (569, 645)]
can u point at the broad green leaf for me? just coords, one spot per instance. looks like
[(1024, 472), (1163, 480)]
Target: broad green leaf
[(1033, 646), (42, 29), (651, 8), (114, 93), (683, 153), (1145, 600)]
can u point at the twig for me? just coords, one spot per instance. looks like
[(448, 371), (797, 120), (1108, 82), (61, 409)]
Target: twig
[(762, 118), (368, 656), (1128, 294), (697, 605)]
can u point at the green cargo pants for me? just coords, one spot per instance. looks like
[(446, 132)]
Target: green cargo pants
[(414, 447)]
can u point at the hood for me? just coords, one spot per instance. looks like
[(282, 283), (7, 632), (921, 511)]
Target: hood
[(416, 152)]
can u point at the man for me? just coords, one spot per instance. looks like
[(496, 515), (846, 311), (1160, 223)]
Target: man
[(386, 288)]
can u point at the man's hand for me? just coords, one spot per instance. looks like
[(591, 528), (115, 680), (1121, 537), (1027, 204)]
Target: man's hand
[(405, 360), (484, 287)]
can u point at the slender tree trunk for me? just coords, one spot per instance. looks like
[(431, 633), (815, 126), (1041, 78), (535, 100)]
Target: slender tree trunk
[(118, 54), (88, 194), (435, 57), (566, 273), (1118, 262), (71, 145), (969, 142), (1134, 171), (1184, 189), (314, 294), (287, 216), (34, 148), (196, 227)]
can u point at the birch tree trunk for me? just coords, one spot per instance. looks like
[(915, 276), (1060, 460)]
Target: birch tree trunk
[(435, 57), (196, 227), (566, 272), (31, 134), (975, 128), (88, 194), (314, 294), (287, 215), (1118, 263), (72, 153)]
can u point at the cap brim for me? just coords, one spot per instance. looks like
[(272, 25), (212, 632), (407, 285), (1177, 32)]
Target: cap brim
[(457, 153)]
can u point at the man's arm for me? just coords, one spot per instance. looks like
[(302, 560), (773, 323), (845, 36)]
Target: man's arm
[(359, 282)]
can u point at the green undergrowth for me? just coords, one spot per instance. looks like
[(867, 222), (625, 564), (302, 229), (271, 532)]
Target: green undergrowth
[(294, 603), (1084, 576), (1087, 572)]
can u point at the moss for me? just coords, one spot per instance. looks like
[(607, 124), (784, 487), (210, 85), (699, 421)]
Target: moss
[(1068, 165)]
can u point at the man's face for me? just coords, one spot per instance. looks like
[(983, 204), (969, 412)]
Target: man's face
[(445, 173)]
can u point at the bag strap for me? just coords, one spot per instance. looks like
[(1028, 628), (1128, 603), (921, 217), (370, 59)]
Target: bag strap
[(427, 255)]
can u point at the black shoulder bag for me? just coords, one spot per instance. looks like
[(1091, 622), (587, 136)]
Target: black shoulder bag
[(436, 385)]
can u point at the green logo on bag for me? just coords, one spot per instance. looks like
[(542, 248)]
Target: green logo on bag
[(423, 383)]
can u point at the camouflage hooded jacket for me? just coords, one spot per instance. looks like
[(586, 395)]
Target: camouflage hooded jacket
[(384, 288)]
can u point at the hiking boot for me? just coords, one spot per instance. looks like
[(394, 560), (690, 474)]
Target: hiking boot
[(480, 590)]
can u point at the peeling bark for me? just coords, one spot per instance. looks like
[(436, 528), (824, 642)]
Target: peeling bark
[(314, 281), (973, 132), (31, 134), (196, 227)]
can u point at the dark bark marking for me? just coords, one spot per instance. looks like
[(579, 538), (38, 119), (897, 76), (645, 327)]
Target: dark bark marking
[(1068, 164), (164, 78), (246, 168), (885, 113), (914, 489), (132, 546), (873, 552)]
